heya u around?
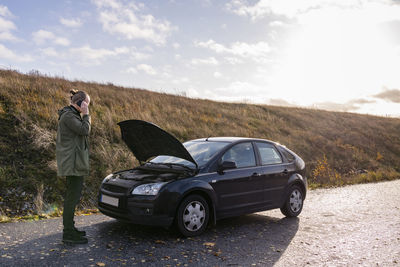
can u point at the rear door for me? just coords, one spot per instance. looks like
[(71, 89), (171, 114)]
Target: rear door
[(275, 172), (239, 190)]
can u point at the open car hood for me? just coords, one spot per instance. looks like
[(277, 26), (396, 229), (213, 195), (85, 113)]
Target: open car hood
[(147, 140)]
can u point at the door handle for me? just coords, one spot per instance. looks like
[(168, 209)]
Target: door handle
[(285, 171), (256, 174)]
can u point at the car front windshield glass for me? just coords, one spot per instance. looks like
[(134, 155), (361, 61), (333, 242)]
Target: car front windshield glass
[(201, 151)]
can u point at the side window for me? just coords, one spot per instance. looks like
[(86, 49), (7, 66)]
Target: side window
[(268, 153), (242, 154), (287, 154)]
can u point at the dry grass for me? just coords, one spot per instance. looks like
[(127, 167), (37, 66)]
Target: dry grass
[(334, 145)]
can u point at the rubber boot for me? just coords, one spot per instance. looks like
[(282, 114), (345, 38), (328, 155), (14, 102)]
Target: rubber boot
[(79, 232), (72, 237)]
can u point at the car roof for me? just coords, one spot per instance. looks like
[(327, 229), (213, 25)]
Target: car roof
[(231, 139)]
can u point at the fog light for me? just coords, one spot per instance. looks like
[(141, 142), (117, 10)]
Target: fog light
[(148, 211)]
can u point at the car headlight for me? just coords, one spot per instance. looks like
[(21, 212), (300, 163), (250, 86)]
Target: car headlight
[(108, 177), (148, 189)]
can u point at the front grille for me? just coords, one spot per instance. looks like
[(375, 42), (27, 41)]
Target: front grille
[(114, 188)]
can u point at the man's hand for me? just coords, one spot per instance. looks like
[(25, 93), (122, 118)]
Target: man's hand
[(85, 108)]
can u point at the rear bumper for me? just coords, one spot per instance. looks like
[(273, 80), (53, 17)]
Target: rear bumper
[(137, 212), (305, 186)]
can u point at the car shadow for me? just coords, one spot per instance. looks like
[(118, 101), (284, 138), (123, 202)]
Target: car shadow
[(256, 239), (245, 240)]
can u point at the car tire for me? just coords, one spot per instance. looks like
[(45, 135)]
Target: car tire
[(294, 202), (192, 216)]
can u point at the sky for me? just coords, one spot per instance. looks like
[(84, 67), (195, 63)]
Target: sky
[(341, 55)]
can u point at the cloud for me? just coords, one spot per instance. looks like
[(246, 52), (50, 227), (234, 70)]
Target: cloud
[(114, 4), (362, 101), (280, 102), (180, 80), (332, 106), (237, 91), (131, 70), (62, 41), (205, 3), (6, 53), (7, 36), (392, 95), (277, 23), (217, 74), (376, 10), (176, 45), (86, 55), (352, 105), (6, 25), (127, 21), (136, 55), (258, 10), (92, 56), (72, 23), (42, 37), (50, 52), (5, 12), (233, 60), (258, 51), (147, 69), (286, 8), (205, 61)]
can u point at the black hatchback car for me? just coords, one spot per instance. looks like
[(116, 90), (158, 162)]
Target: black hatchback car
[(202, 180)]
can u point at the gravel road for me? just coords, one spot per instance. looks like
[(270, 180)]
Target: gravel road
[(353, 225)]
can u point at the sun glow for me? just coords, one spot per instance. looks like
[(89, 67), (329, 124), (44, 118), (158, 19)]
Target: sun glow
[(338, 55)]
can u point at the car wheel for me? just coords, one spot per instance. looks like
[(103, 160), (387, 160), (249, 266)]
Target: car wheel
[(294, 202), (193, 214)]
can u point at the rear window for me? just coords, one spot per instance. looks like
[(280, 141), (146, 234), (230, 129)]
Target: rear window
[(289, 156), (269, 154)]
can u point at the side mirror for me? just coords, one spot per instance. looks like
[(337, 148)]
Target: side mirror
[(226, 165)]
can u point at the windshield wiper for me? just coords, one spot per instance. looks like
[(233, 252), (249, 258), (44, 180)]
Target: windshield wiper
[(171, 165), (180, 165)]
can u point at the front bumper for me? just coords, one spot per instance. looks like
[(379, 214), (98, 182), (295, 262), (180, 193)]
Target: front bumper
[(138, 210)]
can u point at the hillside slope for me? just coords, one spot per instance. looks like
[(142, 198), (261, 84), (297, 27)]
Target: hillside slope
[(338, 148)]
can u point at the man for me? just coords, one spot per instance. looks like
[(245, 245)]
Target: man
[(72, 153)]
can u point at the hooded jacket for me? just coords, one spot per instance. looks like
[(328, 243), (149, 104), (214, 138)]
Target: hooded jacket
[(72, 147)]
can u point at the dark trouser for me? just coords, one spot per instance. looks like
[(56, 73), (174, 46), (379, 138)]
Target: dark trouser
[(72, 197)]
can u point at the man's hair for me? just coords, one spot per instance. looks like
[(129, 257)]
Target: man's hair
[(77, 96)]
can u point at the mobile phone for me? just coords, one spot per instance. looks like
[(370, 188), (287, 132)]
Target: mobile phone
[(79, 103)]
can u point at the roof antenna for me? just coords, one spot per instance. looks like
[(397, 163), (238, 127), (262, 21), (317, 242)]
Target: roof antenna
[(208, 137)]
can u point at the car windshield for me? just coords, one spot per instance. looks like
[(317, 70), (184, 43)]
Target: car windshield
[(201, 151)]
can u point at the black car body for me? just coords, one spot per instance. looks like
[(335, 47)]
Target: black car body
[(230, 176)]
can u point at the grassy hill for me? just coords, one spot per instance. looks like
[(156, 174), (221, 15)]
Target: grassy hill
[(339, 148)]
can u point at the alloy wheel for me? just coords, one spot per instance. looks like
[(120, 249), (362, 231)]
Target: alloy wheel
[(193, 216), (296, 200)]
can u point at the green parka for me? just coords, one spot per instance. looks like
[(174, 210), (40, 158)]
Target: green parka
[(72, 147)]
